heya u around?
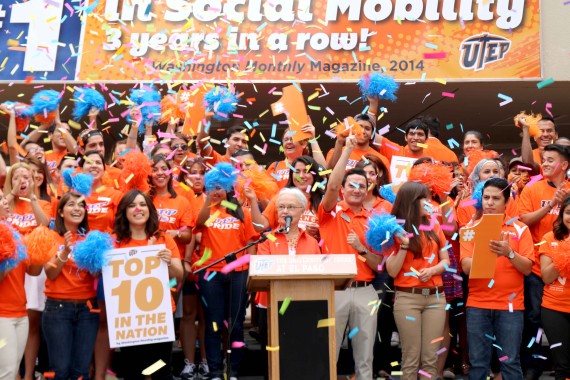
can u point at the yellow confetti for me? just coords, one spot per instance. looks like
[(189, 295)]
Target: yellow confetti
[(325, 172), (396, 373), (394, 364), (271, 237), (230, 205), (100, 189), (127, 180), (326, 322), (153, 368), (424, 146), (212, 218), (442, 81), (3, 343), (269, 348), (215, 326), (415, 270)]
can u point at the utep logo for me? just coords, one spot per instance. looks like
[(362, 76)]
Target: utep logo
[(482, 49), (165, 215)]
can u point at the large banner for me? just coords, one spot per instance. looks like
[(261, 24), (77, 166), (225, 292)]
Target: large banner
[(137, 297), (269, 40)]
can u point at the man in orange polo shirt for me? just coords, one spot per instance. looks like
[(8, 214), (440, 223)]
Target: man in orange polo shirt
[(342, 226), (539, 205), (436, 149), (417, 133), (495, 307), (548, 135)]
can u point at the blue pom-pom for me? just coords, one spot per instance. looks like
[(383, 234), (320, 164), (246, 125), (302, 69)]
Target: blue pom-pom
[(20, 109), (85, 99), (387, 192), (21, 253), (381, 231), (149, 102), (222, 174), (378, 85), (80, 183), (47, 100), (91, 253), (477, 195), (222, 101)]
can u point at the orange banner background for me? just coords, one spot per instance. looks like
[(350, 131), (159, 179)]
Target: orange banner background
[(400, 47)]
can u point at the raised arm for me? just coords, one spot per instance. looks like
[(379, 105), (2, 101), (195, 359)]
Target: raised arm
[(526, 147), (335, 181), (314, 143)]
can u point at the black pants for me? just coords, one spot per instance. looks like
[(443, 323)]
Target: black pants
[(556, 325), (140, 358)]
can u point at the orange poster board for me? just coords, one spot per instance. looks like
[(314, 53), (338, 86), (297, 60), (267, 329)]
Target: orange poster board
[(488, 228)]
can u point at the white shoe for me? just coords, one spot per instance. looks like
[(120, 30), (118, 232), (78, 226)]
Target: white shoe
[(189, 371)]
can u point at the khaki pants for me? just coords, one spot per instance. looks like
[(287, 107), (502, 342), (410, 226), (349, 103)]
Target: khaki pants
[(13, 335), (352, 309), (420, 320)]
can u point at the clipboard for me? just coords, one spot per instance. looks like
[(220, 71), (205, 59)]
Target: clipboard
[(484, 261)]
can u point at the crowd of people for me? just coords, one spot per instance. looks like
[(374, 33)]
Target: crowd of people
[(188, 203)]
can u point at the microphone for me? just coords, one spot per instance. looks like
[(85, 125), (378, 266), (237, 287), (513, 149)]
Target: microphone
[(288, 220)]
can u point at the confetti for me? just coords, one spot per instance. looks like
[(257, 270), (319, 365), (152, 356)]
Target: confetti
[(507, 99), (326, 322), (544, 83), (269, 348), (436, 55), (284, 305), (153, 368), (353, 332)]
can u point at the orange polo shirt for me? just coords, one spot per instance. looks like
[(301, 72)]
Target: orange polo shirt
[(22, 217), (335, 225), (390, 148), (215, 157), (508, 282), (429, 258), (533, 198), (13, 300), (306, 245), (438, 151), (381, 206), (225, 234), (556, 295), (71, 283)]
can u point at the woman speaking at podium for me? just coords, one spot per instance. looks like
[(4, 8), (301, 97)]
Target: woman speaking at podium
[(289, 240)]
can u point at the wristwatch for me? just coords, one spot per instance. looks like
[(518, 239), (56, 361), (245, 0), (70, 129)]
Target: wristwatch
[(511, 255), (363, 252)]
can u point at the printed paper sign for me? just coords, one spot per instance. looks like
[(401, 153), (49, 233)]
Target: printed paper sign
[(137, 297)]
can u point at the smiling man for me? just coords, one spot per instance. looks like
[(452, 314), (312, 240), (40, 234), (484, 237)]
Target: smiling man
[(417, 133), (548, 135)]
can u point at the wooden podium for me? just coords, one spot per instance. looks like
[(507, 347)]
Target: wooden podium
[(298, 348)]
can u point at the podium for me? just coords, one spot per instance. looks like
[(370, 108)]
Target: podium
[(297, 347)]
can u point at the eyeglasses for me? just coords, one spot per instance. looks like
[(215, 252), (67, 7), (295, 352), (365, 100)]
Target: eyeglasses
[(181, 147), (35, 150), (288, 207)]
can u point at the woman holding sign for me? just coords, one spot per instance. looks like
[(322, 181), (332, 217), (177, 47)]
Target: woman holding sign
[(137, 224), (495, 306), (554, 266), (69, 324)]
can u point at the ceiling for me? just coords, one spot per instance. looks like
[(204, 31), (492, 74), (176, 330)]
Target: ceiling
[(474, 106)]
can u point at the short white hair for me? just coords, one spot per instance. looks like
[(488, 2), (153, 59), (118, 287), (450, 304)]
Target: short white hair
[(298, 194)]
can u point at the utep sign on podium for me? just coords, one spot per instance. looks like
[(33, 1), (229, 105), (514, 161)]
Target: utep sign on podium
[(281, 40)]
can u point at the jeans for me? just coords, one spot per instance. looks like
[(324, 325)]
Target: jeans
[(533, 288), (486, 327), (557, 328), (70, 330), (224, 293)]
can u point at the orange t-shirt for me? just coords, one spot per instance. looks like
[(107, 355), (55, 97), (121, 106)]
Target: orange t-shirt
[(533, 198), (466, 213), (174, 214), (508, 282), (429, 258), (279, 170), (101, 209), (224, 235), (381, 206), (22, 217), (556, 295), (53, 158), (13, 299), (187, 192), (306, 245), (390, 148), (335, 225), (438, 151), (71, 283), (536, 157), (308, 216), (358, 154), (215, 157)]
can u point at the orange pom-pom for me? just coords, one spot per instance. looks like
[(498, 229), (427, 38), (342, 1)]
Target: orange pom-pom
[(40, 243), (437, 177), (7, 243), (561, 258), (48, 117), (475, 156), (136, 170), (257, 179), (349, 126), (532, 121), (170, 110)]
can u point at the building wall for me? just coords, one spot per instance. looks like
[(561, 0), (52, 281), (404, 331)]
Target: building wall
[(555, 44)]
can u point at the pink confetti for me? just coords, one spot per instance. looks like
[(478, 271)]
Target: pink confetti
[(534, 179), (437, 55), (547, 108), (424, 373), (468, 203), (391, 146), (237, 263), (238, 344), (503, 358), (448, 94)]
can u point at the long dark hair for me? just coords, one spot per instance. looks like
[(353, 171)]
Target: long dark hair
[(43, 169), (59, 224), (560, 230), (317, 195), (378, 166), (89, 153), (122, 228), (155, 160), (407, 207)]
